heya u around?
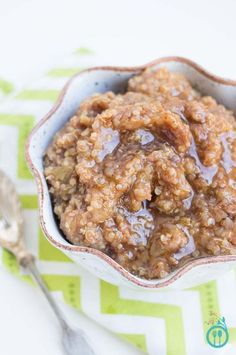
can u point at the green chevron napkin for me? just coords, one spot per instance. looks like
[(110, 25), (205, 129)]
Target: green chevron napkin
[(159, 323)]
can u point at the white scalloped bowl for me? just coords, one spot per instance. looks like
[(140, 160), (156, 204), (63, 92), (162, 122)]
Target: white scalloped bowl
[(83, 85)]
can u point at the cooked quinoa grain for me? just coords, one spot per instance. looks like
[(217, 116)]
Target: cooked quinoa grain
[(147, 177)]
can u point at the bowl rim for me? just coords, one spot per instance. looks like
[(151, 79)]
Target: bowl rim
[(144, 283)]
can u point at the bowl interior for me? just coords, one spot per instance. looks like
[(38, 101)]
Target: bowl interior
[(102, 80)]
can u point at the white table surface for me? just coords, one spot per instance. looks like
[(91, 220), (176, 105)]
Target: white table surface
[(201, 30)]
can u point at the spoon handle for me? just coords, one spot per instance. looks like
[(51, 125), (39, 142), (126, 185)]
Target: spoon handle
[(74, 341), (38, 278)]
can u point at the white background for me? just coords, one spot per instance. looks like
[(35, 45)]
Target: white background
[(33, 35)]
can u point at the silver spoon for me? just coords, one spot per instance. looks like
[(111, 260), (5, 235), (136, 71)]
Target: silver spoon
[(11, 238)]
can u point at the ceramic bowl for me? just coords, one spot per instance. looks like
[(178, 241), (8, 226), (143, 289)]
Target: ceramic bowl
[(102, 79)]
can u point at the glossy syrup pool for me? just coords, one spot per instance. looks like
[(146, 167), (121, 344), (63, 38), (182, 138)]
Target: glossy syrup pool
[(141, 222), (145, 221)]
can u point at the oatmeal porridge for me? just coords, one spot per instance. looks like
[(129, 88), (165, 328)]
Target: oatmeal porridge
[(147, 177)]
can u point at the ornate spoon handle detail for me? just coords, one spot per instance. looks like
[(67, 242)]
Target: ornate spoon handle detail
[(11, 238)]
